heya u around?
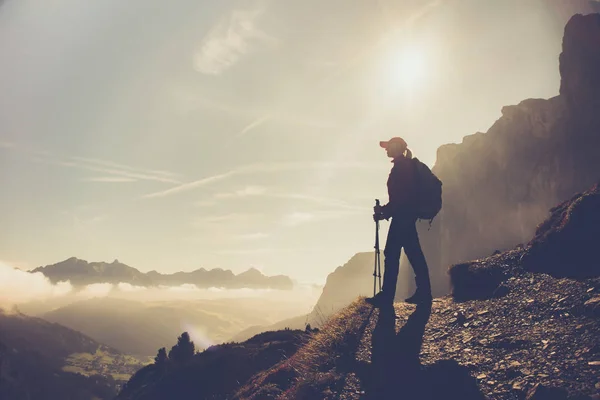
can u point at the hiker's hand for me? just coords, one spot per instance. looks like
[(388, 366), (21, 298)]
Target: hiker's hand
[(378, 209), (378, 216)]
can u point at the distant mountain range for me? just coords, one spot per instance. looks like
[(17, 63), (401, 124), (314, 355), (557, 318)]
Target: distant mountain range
[(81, 273)]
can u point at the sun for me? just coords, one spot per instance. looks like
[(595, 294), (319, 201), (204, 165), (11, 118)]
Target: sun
[(408, 67)]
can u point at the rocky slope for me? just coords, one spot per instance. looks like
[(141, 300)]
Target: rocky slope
[(81, 273), (499, 185)]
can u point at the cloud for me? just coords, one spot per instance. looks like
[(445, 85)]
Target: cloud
[(258, 168), (237, 217), (6, 145), (245, 192), (232, 38), (109, 179), (17, 286), (105, 163), (253, 236), (96, 290), (191, 185), (121, 171), (128, 287), (297, 218), (264, 192), (254, 124), (116, 172)]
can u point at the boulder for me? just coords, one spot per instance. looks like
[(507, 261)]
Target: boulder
[(567, 243)]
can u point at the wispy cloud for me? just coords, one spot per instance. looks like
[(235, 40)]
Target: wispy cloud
[(254, 124), (225, 218), (123, 167), (253, 236), (191, 185), (244, 192), (250, 191), (114, 172), (297, 218), (109, 179), (233, 37), (264, 168), (6, 145)]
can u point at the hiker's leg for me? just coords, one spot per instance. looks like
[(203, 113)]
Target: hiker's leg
[(392, 251), (415, 256)]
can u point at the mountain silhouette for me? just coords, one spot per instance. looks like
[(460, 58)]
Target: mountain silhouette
[(81, 273)]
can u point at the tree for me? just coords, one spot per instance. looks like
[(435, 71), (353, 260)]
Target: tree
[(161, 358), (184, 350)]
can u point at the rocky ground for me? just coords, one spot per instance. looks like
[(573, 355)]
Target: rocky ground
[(539, 340)]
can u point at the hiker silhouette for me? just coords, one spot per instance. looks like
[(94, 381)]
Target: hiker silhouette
[(396, 371), (414, 193)]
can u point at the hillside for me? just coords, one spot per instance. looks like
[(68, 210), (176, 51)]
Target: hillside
[(41, 360), (516, 326), (215, 373), (81, 273)]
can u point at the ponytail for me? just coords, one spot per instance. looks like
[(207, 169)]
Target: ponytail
[(408, 153)]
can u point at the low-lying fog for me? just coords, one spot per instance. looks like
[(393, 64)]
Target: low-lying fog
[(139, 320)]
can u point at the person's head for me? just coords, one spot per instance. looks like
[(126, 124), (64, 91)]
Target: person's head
[(396, 147)]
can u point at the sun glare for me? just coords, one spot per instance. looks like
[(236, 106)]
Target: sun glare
[(408, 67)]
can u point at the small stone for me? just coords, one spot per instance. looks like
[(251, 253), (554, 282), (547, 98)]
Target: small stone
[(594, 363), (541, 392), (481, 376), (514, 364)]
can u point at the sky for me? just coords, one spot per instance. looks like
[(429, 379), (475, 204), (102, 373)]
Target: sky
[(236, 134)]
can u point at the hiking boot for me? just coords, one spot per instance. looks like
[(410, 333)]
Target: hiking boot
[(419, 298), (380, 300)]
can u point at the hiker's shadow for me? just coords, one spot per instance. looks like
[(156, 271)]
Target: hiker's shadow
[(396, 371)]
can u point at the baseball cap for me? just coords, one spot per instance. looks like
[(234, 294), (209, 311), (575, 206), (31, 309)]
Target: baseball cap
[(393, 141)]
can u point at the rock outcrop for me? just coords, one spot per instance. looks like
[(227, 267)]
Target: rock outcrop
[(499, 185), (565, 245)]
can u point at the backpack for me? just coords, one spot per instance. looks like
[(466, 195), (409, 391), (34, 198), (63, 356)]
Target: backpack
[(428, 190)]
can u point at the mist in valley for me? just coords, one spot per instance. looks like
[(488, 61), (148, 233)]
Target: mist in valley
[(139, 320)]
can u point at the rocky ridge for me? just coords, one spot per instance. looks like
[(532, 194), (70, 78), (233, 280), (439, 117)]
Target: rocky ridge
[(538, 154), (81, 273)]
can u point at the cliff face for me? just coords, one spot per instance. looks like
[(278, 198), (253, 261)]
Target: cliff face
[(499, 185)]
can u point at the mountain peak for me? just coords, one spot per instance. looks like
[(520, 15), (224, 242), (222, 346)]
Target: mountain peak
[(252, 272)]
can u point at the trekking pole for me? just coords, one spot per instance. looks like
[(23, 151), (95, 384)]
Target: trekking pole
[(377, 267)]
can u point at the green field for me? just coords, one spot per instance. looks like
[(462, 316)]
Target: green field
[(103, 362)]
